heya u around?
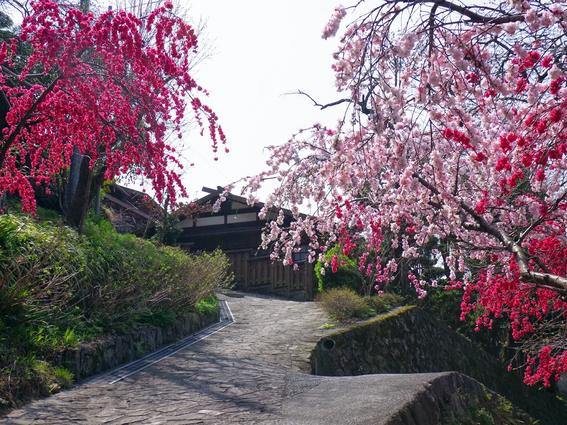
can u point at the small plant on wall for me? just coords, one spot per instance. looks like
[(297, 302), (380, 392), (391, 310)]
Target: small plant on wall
[(337, 270), (345, 305)]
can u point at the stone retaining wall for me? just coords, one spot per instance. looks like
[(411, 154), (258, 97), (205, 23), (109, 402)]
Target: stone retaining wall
[(455, 398), (411, 341), (96, 357)]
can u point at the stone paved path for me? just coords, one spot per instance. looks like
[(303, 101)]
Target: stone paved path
[(239, 375), (251, 372)]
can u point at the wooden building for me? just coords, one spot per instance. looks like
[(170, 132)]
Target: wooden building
[(130, 211), (236, 229)]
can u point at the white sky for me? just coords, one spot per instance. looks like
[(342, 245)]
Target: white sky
[(265, 49)]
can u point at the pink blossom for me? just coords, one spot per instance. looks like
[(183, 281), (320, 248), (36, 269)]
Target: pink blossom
[(334, 23)]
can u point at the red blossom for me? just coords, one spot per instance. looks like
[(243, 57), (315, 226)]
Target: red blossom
[(541, 126), (513, 180), (458, 136), (547, 61), (556, 85), (481, 206), (114, 104), (480, 157), (473, 78), (521, 85), (448, 133), (503, 164), (506, 143), (334, 263), (529, 61), (555, 115)]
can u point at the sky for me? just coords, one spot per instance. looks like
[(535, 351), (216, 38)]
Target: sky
[(265, 50)]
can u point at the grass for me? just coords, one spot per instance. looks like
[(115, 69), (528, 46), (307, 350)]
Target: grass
[(63, 377), (29, 377)]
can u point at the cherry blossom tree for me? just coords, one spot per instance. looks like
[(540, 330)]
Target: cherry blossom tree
[(455, 129), (108, 94)]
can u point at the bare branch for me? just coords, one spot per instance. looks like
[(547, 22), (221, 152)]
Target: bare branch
[(473, 16), (323, 106)]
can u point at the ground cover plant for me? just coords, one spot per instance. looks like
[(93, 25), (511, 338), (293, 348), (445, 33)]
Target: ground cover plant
[(455, 129), (58, 289)]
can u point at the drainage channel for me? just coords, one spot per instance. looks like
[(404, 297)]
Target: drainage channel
[(122, 372)]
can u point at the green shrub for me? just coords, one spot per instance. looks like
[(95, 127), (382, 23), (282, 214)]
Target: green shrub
[(207, 306), (135, 277), (344, 277), (157, 317), (343, 304), (40, 269), (51, 276)]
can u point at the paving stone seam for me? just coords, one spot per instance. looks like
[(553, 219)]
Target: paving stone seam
[(226, 318)]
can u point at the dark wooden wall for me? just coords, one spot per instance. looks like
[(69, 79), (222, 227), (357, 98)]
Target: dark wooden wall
[(261, 274)]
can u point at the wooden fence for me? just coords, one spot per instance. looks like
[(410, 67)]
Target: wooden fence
[(260, 274)]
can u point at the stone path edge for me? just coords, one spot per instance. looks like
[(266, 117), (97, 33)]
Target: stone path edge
[(121, 372)]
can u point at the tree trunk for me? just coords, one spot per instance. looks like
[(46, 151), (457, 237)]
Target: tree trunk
[(74, 177), (88, 185), (80, 199)]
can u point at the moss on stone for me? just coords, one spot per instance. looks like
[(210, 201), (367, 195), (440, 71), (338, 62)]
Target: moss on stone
[(369, 322), (383, 317), (486, 409)]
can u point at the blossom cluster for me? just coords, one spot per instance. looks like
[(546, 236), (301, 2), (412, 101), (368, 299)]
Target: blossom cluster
[(334, 23), (110, 95)]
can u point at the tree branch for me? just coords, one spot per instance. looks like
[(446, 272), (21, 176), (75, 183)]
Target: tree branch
[(327, 105), (558, 283), (536, 223), (364, 109), (473, 16), (9, 73), (553, 281)]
